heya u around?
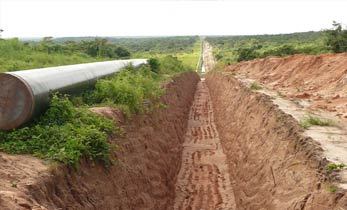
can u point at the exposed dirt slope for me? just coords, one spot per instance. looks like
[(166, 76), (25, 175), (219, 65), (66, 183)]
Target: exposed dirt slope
[(271, 163), (322, 78), (204, 180), (143, 177)]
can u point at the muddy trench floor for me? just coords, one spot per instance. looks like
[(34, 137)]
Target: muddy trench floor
[(203, 181)]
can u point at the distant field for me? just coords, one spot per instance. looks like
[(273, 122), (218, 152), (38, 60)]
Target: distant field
[(19, 55)]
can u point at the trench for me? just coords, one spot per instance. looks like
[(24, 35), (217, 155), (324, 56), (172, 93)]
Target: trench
[(216, 145), (203, 181), (241, 151)]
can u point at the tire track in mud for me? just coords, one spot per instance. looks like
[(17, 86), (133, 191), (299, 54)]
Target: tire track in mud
[(203, 181)]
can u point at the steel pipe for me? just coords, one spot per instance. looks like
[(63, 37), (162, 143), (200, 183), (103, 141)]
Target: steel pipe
[(25, 94)]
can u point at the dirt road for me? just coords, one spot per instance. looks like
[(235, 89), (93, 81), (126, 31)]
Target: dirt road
[(203, 181), (208, 58)]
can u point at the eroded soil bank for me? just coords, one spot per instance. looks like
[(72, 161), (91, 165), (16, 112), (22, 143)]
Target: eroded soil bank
[(271, 164), (143, 177)]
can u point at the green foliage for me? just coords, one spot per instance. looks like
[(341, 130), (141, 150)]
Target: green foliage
[(336, 38), (134, 90), (245, 54), (64, 133), (332, 188), (68, 131), (154, 64), (230, 49), (255, 86), (19, 55), (335, 167), (313, 120)]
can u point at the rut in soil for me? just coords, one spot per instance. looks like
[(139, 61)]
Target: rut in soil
[(203, 181)]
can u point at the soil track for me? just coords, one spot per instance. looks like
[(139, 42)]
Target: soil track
[(203, 181)]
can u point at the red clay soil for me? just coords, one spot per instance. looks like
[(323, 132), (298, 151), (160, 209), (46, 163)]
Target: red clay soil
[(204, 180), (271, 164), (148, 160), (321, 78)]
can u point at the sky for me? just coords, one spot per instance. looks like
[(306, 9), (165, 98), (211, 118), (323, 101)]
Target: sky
[(58, 18)]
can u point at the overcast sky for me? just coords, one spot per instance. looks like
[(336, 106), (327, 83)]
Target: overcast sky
[(38, 18)]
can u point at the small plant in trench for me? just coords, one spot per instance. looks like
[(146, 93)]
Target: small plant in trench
[(332, 188), (255, 86), (313, 120), (335, 167)]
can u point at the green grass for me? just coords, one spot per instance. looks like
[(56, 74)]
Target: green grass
[(255, 86), (335, 167), (313, 120), (16, 55), (189, 57)]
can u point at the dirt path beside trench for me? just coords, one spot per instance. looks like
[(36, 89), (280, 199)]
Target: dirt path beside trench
[(203, 181)]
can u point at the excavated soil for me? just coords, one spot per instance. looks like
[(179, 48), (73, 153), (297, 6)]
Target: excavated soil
[(321, 79), (148, 159), (272, 165)]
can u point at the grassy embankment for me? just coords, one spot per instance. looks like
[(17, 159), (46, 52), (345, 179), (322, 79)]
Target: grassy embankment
[(68, 131)]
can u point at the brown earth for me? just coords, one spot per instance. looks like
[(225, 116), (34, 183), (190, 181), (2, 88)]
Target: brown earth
[(204, 181), (271, 164), (321, 79), (143, 176)]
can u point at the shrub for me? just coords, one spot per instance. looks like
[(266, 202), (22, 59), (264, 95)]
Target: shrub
[(64, 134), (336, 38), (313, 120)]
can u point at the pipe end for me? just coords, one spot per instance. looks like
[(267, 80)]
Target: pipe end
[(16, 102)]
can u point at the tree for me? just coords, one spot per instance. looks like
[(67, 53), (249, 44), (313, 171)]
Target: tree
[(336, 38), (154, 64), (121, 52)]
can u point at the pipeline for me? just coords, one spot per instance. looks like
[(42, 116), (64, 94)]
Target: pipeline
[(25, 94)]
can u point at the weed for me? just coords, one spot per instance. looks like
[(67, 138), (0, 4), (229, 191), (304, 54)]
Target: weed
[(14, 184), (313, 120), (255, 86), (332, 188), (335, 167)]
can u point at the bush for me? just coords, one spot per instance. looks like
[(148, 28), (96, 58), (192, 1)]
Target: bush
[(64, 134), (336, 38)]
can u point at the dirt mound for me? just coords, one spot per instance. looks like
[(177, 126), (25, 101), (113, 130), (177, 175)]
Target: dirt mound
[(321, 79), (143, 177), (271, 164)]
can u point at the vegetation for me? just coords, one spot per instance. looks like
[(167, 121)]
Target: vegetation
[(19, 55), (332, 188), (337, 38), (255, 86), (68, 131), (230, 49), (335, 167), (64, 133), (313, 120)]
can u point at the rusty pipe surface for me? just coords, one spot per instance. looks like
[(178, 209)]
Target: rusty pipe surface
[(25, 94)]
